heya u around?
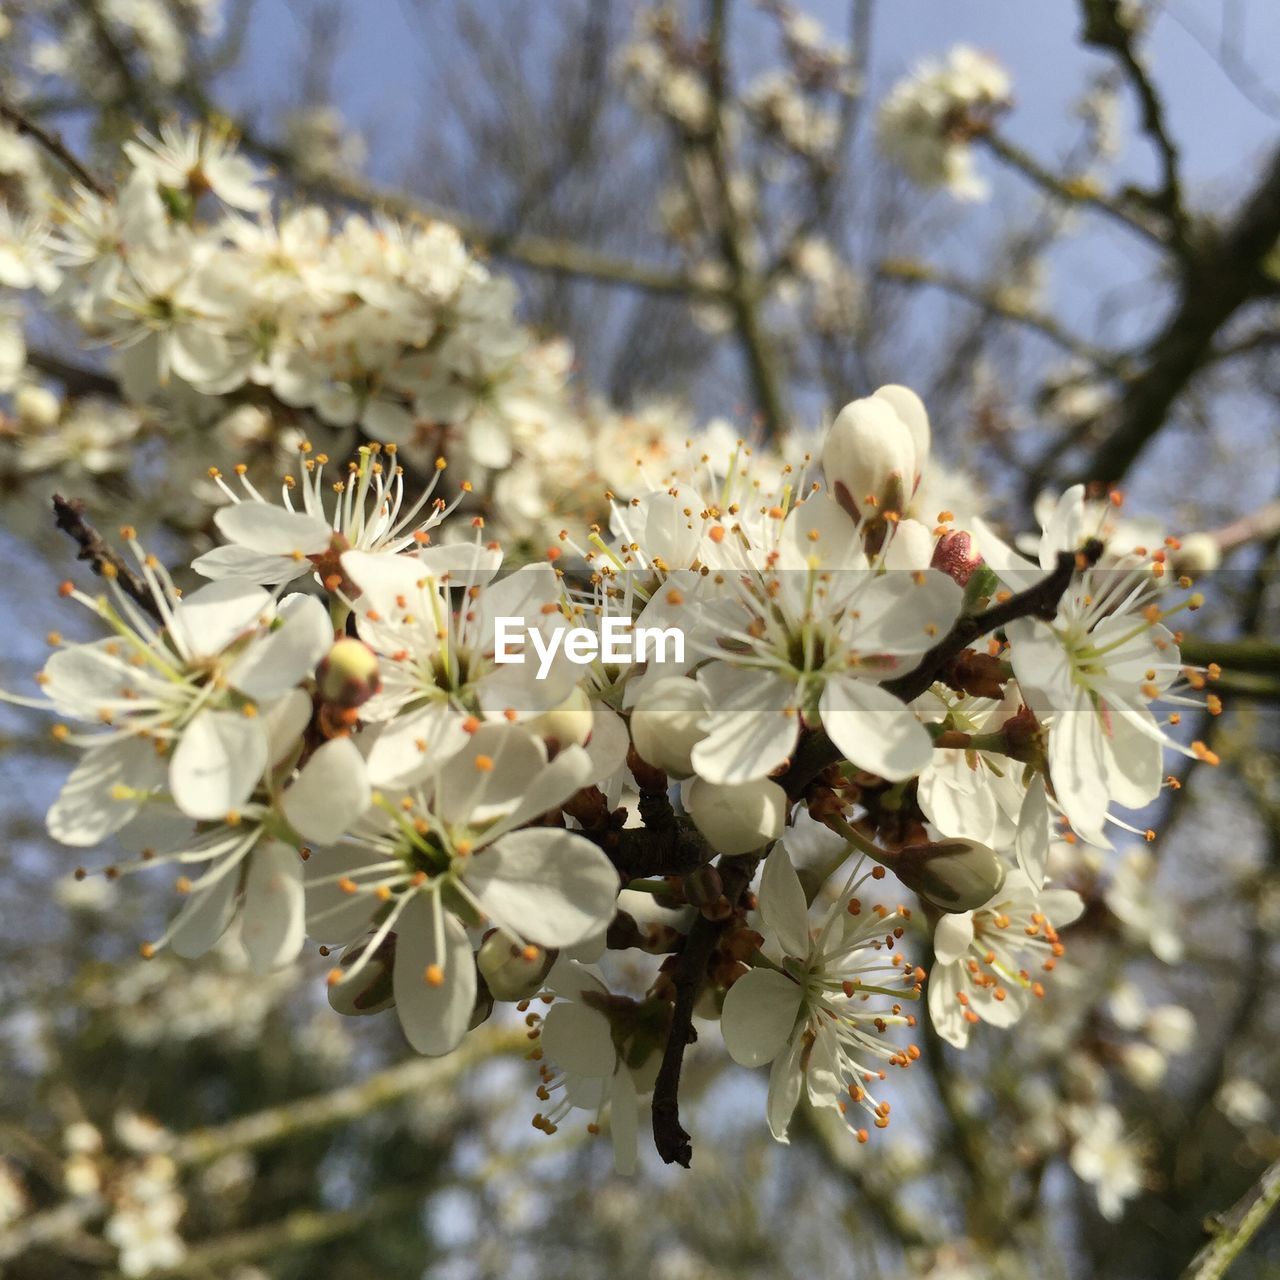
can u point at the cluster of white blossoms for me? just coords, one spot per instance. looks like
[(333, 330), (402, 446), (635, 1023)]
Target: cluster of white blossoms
[(929, 119), (207, 303), (376, 727)]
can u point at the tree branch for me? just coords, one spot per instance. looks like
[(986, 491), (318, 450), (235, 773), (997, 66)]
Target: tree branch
[(68, 515), (669, 1136), (53, 144), (1236, 1228), (1218, 283)]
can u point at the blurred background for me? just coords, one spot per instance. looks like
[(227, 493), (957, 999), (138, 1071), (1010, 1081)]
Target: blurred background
[(1110, 311)]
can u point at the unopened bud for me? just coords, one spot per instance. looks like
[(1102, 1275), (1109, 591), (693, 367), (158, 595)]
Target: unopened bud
[(956, 557), (954, 875), (348, 674), (703, 887), (737, 817), (667, 723), (875, 451), (977, 674), (369, 990), (568, 725), (511, 970), (36, 406)]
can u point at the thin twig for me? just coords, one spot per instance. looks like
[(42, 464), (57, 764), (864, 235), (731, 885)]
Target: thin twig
[(53, 144), (68, 515), (1236, 1228)]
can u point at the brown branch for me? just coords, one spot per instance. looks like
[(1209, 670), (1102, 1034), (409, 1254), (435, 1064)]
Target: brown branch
[(1224, 276), (53, 144), (669, 1135), (78, 379), (68, 515), (1105, 28)]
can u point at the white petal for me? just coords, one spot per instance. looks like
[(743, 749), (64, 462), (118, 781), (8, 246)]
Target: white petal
[(952, 937), (624, 1122), (86, 810), (252, 566), (945, 1010), (873, 729), (493, 773), (577, 1038), (544, 884), (1078, 768), (785, 1081), (219, 760), (415, 744), (434, 1018), (284, 720), (330, 793), (272, 919), (1031, 844), (332, 915), (204, 918), (210, 618), (782, 903), (271, 530), (753, 724), (759, 1015), (286, 655)]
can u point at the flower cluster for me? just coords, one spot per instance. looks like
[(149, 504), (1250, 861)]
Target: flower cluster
[(209, 304), (376, 726), (928, 120)]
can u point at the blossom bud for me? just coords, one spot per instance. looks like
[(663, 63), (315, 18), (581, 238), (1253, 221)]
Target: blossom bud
[(870, 456), (568, 725), (953, 875), (667, 723), (511, 971), (1196, 554), (956, 557), (703, 886), (368, 991), (737, 817), (1144, 1064), (348, 674), (36, 406)]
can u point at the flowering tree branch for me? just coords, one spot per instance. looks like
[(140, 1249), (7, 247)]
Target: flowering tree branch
[(68, 515), (1039, 601)]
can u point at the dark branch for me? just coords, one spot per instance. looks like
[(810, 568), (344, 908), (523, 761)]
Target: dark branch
[(69, 516), (1225, 276), (53, 144), (669, 1135)]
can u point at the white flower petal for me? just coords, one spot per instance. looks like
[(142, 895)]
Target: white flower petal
[(752, 727), (624, 1122), (286, 655), (1031, 844), (252, 566), (204, 918), (330, 793), (546, 885), (577, 1038), (785, 1082), (273, 919), (952, 937), (210, 618), (434, 1018), (759, 1015), (782, 903), (219, 760), (873, 729), (87, 809), (272, 531)]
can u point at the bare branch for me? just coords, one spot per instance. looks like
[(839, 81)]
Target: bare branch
[(53, 144), (69, 516)]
